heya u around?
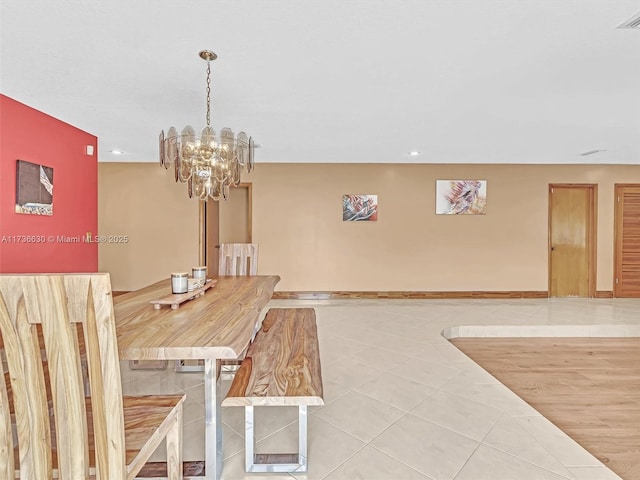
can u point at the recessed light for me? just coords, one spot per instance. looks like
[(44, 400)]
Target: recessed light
[(414, 153), (116, 152)]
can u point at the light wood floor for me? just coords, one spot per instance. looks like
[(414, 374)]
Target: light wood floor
[(588, 387)]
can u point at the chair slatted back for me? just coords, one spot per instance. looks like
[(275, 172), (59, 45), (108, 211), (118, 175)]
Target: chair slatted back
[(238, 259), (75, 312)]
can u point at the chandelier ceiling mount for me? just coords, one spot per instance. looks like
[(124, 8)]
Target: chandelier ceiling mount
[(208, 55)]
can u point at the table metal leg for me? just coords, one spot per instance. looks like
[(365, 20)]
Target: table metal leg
[(213, 422)]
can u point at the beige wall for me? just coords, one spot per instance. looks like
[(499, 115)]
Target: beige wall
[(142, 201), (297, 220)]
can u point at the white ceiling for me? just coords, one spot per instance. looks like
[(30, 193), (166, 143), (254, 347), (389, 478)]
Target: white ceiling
[(462, 81)]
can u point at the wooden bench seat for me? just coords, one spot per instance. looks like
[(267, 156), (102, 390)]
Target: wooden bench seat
[(281, 368)]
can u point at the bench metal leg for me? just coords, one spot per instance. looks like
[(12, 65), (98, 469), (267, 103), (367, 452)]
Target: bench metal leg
[(275, 462)]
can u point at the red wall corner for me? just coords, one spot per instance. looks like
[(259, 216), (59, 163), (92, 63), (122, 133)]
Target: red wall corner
[(40, 243)]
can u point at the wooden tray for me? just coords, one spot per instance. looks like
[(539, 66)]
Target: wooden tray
[(176, 299)]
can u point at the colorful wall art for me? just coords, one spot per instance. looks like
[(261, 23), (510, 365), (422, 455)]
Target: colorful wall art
[(34, 188), (359, 208), (461, 197)]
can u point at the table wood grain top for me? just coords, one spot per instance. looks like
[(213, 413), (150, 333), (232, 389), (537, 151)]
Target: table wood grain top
[(218, 324)]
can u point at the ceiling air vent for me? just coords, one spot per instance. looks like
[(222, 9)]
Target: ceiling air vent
[(633, 22)]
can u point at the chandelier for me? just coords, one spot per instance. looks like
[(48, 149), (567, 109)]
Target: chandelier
[(209, 164)]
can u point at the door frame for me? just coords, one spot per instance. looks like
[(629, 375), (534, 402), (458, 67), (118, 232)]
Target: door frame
[(617, 236), (249, 187), (592, 230)]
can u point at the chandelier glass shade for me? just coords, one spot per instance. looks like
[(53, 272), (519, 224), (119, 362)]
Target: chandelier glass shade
[(208, 163)]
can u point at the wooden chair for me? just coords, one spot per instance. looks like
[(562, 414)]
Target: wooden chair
[(238, 259), (235, 259), (54, 430)]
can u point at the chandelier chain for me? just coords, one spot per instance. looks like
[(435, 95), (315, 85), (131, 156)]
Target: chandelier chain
[(208, 93)]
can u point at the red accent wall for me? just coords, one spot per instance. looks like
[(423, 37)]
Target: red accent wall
[(40, 243)]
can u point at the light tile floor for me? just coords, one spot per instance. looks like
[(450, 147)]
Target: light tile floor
[(403, 403)]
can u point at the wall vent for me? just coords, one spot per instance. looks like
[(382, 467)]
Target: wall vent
[(633, 22)]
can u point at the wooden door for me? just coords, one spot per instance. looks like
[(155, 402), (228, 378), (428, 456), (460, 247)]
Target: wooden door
[(627, 241), (572, 234)]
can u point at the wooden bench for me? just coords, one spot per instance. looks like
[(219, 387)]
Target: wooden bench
[(53, 428), (281, 368)]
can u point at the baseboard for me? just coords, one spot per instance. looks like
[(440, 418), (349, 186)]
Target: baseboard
[(406, 295), (115, 293), (604, 294)]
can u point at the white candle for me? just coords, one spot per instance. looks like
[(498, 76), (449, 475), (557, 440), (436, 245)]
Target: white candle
[(179, 282), (199, 273)]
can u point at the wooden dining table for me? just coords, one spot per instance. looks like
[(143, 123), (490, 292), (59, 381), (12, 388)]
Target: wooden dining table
[(219, 324)]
